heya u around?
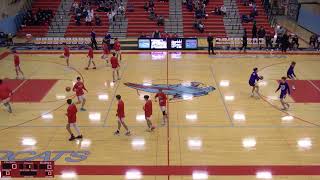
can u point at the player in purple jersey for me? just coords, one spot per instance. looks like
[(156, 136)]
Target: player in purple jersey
[(254, 78), (284, 87), (291, 75)]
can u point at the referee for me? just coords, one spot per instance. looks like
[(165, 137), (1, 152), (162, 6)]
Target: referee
[(210, 44)]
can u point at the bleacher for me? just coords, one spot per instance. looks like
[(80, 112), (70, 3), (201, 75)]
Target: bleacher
[(83, 30), (138, 20), (213, 23), (261, 19), (40, 30)]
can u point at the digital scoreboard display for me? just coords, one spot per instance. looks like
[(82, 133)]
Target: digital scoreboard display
[(144, 43), (27, 169), (158, 44), (176, 43), (168, 44)]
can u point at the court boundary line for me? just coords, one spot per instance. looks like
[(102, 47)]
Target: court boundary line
[(182, 52), (187, 170), (114, 96), (221, 96), (180, 126)]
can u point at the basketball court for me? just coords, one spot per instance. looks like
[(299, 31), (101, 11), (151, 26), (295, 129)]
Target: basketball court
[(222, 134)]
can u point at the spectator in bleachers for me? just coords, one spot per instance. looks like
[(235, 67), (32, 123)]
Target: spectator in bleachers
[(294, 42), (312, 40), (223, 10), (261, 34), (189, 5), (121, 8), (284, 42), (246, 18), (41, 17), (78, 19), (160, 21), (244, 41), (254, 30), (156, 34), (151, 4), (146, 6), (152, 14), (268, 39), (97, 19), (200, 26), (280, 32)]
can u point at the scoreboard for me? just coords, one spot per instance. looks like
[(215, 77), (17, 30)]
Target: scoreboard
[(25, 169), (168, 43)]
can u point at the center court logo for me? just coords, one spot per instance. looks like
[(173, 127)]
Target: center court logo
[(177, 91), (68, 156)]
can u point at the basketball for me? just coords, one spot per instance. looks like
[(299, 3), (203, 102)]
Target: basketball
[(68, 89), (261, 77)]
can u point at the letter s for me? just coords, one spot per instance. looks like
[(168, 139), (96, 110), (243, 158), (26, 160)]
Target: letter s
[(77, 156)]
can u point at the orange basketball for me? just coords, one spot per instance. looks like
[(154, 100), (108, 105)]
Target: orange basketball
[(68, 89)]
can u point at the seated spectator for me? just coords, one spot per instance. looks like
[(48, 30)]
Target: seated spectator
[(312, 41), (88, 20), (151, 4), (216, 11), (223, 10), (156, 34), (190, 5), (200, 26), (97, 20), (78, 19), (294, 42), (152, 14), (246, 18), (160, 21), (143, 35), (198, 14), (146, 6), (121, 8), (261, 32)]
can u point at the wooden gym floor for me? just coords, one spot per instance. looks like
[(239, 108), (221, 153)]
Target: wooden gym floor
[(223, 135)]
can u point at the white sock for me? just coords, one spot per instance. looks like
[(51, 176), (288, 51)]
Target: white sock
[(76, 128)]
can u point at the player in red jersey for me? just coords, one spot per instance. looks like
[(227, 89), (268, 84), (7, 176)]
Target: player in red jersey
[(90, 60), (120, 115), (78, 88), (162, 103), (66, 53), (115, 66), (117, 48), (148, 112), (72, 119), (5, 96), (17, 67), (106, 51)]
